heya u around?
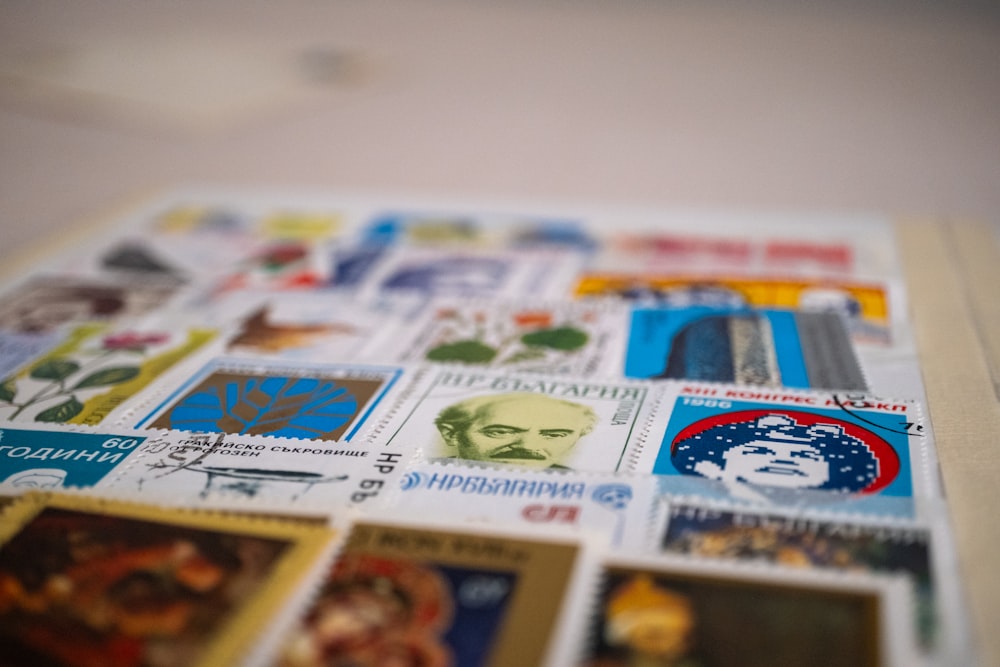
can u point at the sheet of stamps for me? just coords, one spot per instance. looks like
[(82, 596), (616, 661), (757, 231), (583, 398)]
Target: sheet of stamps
[(775, 348), (324, 402), (781, 447), (676, 611), (559, 337), (132, 584), (479, 402), (621, 508), (520, 421), (426, 594)]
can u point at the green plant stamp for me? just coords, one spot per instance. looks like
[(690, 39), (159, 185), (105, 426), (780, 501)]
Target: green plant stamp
[(92, 372), (569, 338)]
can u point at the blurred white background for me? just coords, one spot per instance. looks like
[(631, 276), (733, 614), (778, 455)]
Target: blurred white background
[(891, 106)]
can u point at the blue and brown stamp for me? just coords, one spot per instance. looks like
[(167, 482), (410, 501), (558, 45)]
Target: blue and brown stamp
[(305, 401)]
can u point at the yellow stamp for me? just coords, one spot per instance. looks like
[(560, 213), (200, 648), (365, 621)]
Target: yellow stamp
[(406, 594), (89, 581)]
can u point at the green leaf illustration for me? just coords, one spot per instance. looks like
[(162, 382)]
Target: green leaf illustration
[(54, 369), (469, 351), (115, 375), (525, 355), (560, 338), (62, 412), (8, 390)]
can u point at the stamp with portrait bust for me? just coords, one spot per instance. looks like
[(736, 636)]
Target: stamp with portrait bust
[(520, 421), (784, 447)]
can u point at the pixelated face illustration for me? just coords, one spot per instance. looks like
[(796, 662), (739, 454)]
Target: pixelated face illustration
[(776, 463), (776, 450)]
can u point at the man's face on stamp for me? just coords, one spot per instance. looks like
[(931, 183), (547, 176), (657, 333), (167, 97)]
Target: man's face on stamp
[(531, 430), (776, 450), (773, 463)]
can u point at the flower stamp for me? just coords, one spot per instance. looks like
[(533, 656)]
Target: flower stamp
[(556, 337), (93, 372)]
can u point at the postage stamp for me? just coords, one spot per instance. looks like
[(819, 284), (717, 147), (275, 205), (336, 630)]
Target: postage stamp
[(197, 469), (51, 456), (44, 303), (430, 272), (789, 447), (305, 326), (437, 595), (557, 337), (870, 308), (329, 402), (132, 584), (748, 243), (801, 541), (484, 230), (521, 420), (619, 507), (204, 235), (687, 251), (673, 611), (93, 371), (776, 348)]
